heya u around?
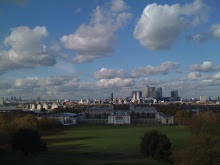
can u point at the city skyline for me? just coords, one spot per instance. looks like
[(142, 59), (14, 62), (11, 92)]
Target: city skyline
[(89, 49)]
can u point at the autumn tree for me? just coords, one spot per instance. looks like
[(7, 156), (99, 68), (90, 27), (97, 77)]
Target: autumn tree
[(181, 117)]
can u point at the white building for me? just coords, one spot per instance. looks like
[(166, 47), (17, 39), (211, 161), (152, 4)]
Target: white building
[(45, 106), (119, 118), (202, 99), (54, 106), (165, 119), (66, 118), (39, 106)]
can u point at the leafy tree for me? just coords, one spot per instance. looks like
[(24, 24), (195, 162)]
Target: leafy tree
[(28, 141), (203, 147), (181, 117), (156, 145)]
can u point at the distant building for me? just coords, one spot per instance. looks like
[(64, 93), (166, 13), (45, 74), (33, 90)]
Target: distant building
[(136, 95), (66, 118), (39, 106), (1, 101), (111, 97), (119, 118), (203, 99), (174, 94), (152, 92), (38, 98), (165, 119), (45, 106), (54, 106)]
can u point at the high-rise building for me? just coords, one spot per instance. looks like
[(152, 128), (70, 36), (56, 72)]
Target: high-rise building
[(159, 93), (139, 95), (12, 98), (20, 98), (15, 98), (111, 97), (134, 95), (174, 94), (146, 91), (1, 101), (152, 92), (38, 98)]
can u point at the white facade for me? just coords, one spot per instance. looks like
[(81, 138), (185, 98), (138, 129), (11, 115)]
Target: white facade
[(203, 99), (39, 106), (116, 119), (45, 106), (54, 106)]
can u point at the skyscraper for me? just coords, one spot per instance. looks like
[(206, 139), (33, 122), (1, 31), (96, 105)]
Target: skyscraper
[(139, 95), (111, 97), (174, 94), (146, 91), (152, 92), (159, 93), (134, 95)]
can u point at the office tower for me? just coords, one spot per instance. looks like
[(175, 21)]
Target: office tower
[(152, 92), (159, 93), (134, 95), (111, 97), (139, 95), (1, 101), (15, 98), (174, 94), (12, 98), (20, 98), (146, 91)]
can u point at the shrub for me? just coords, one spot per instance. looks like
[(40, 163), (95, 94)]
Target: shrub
[(156, 145), (28, 141)]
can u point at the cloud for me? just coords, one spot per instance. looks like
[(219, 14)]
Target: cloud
[(114, 83), (98, 38), (197, 76), (149, 70), (206, 66), (26, 50), (160, 25), (211, 34), (110, 73)]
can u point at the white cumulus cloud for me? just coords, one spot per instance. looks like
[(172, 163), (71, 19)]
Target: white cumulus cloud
[(97, 39), (206, 66), (160, 25), (24, 49)]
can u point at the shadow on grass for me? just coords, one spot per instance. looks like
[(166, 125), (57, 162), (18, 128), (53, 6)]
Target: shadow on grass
[(69, 139)]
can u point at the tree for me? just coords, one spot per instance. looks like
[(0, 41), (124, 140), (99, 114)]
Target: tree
[(204, 143), (181, 117), (156, 145), (28, 141)]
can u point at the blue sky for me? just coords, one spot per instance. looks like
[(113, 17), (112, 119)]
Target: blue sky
[(90, 48)]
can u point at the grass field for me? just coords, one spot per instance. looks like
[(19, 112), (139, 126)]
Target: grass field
[(99, 145)]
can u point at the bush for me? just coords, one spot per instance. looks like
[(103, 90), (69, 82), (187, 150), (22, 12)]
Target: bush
[(28, 141), (156, 145)]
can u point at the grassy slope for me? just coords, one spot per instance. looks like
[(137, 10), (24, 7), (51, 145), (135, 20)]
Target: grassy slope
[(102, 145)]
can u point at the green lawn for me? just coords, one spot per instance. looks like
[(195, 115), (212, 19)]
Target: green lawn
[(100, 145)]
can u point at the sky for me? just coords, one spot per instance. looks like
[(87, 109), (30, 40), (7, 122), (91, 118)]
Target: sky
[(91, 48)]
